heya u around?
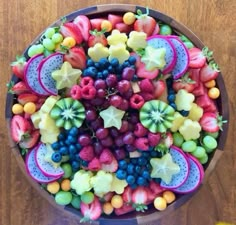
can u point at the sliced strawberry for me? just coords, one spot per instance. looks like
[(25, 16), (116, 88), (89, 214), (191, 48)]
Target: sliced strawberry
[(145, 23), (96, 23), (194, 74), (156, 30), (155, 187), (84, 25), (197, 58), (112, 167), (150, 195), (185, 82), (142, 72), (106, 156), (146, 85), (91, 211), (27, 97), (18, 66), (124, 209), (71, 30), (211, 122), (206, 103), (127, 195), (18, 88), (123, 28), (76, 57), (160, 87), (115, 19), (20, 128), (87, 153), (199, 90), (108, 196), (140, 198), (94, 165), (209, 72), (31, 140), (97, 37), (167, 139)]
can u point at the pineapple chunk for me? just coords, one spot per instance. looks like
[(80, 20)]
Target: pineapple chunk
[(48, 137), (190, 130), (36, 118), (184, 100), (49, 103), (177, 122), (195, 112)]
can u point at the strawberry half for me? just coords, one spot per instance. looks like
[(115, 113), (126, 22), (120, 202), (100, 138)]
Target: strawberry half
[(106, 156), (97, 37), (27, 97), (127, 195), (20, 128), (71, 30), (209, 72), (185, 82), (31, 140), (84, 25), (96, 23), (87, 153), (18, 66), (18, 88), (114, 19), (76, 57), (91, 211), (140, 198), (111, 167), (197, 58), (160, 86), (211, 122)]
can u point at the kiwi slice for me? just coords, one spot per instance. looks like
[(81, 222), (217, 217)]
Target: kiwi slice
[(156, 116), (68, 113)]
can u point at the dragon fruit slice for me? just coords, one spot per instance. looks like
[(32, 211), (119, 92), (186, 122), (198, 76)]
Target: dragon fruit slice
[(46, 67), (46, 167), (31, 75), (182, 62), (159, 41), (199, 165), (194, 178), (34, 171), (178, 179)]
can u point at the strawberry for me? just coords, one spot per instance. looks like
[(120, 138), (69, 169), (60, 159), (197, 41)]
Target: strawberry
[(209, 72), (115, 19), (71, 30), (91, 211), (18, 66), (76, 57), (27, 97), (167, 139), (20, 128), (145, 23), (147, 96), (150, 195), (124, 209), (127, 195), (197, 58), (141, 143), (108, 196), (31, 140), (139, 199), (97, 37), (185, 82), (106, 156), (87, 153), (111, 167), (199, 90), (155, 187), (206, 103), (96, 23), (18, 88), (84, 25), (160, 87), (154, 138), (211, 122), (143, 73), (123, 28), (156, 30), (146, 85), (94, 165)]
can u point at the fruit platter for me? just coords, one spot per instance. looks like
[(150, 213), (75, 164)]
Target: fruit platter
[(117, 112)]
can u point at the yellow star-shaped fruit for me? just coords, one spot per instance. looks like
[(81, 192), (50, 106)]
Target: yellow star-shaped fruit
[(97, 52), (118, 51), (112, 117), (164, 168), (154, 58), (67, 76)]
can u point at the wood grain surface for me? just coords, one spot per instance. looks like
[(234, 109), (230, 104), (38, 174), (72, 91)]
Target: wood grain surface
[(214, 23)]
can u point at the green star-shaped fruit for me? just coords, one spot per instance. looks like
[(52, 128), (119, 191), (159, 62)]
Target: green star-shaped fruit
[(112, 117), (164, 168), (154, 58), (67, 76)]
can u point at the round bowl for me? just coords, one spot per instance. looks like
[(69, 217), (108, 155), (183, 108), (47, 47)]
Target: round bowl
[(222, 102)]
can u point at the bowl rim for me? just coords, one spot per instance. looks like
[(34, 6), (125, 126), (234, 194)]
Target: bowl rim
[(222, 102)]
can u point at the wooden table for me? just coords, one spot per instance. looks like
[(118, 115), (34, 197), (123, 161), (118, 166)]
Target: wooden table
[(213, 21)]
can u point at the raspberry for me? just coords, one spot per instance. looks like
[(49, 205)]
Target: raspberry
[(87, 153), (75, 92), (154, 139), (88, 92), (146, 85), (94, 165), (106, 156), (147, 96), (86, 81), (140, 130), (136, 101), (141, 143)]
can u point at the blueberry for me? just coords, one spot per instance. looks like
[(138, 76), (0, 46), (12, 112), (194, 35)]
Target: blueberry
[(141, 181), (171, 91), (61, 136), (61, 143), (99, 75), (66, 142), (146, 174), (148, 166), (77, 158), (84, 163), (72, 149), (72, 139), (56, 157), (134, 161), (122, 164), (110, 69), (78, 146), (114, 62), (97, 65), (125, 64), (133, 186), (72, 157), (130, 179), (173, 105), (90, 63), (64, 150), (55, 145), (132, 60), (91, 71), (184, 113), (105, 73), (130, 169), (74, 131), (75, 165), (169, 82), (171, 98), (146, 154), (104, 62), (135, 78), (142, 161), (138, 169), (121, 174), (157, 180)]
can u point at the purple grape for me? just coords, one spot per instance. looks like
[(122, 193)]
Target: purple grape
[(97, 101), (115, 100), (128, 73), (114, 132), (101, 93), (134, 118), (123, 86), (124, 126), (98, 148), (107, 141), (84, 139), (119, 141), (111, 80), (91, 114), (97, 123), (130, 148), (102, 133), (124, 105), (119, 153), (127, 95), (100, 84), (128, 138)]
